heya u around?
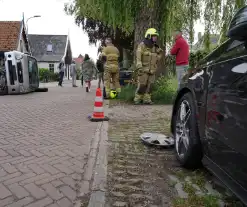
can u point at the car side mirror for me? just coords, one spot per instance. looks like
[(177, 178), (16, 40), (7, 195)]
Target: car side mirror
[(238, 26)]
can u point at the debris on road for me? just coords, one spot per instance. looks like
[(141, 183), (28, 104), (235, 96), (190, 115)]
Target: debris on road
[(156, 139)]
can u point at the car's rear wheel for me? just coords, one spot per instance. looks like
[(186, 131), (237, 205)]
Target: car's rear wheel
[(187, 142)]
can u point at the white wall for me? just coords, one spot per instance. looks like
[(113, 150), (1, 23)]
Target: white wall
[(46, 65)]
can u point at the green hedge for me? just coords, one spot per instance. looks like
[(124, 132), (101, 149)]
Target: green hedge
[(45, 75), (163, 90), (127, 93)]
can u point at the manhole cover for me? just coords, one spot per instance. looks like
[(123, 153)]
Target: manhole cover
[(157, 139)]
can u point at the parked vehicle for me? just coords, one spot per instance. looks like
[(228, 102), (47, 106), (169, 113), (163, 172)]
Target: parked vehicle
[(20, 74), (3, 82), (125, 73), (209, 118)]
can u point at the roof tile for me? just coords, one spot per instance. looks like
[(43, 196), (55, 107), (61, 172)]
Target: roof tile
[(9, 35)]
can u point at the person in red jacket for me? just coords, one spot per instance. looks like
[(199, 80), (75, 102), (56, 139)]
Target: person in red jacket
[(181, 50)]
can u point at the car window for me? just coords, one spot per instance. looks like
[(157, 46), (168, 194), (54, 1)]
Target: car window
[(233, 49), (235, 45), (216, 54), (230, 65)]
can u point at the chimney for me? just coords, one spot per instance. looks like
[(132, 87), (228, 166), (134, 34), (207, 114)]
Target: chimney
[(199, 36)]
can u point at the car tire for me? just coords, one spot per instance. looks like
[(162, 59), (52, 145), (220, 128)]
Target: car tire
[(187, 133)]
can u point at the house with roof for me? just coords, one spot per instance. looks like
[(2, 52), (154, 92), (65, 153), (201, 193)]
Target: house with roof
[(78, 61), (199, 45), (49, 50), (13, 37)]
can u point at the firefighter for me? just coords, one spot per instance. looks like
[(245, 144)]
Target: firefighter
[(147, 56), (110, 55)]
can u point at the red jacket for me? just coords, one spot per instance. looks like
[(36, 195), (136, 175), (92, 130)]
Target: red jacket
[(181, 50)]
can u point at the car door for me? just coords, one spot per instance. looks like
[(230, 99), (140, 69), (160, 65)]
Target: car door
[(226, 119)]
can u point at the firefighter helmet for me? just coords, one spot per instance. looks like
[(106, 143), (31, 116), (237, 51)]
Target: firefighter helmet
[(151, 32)]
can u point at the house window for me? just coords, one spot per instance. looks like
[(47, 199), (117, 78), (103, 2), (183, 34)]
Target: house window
[(49, 48), (51, 67)]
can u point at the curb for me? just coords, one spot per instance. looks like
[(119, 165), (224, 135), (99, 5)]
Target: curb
[(99, 183), (94, 179)]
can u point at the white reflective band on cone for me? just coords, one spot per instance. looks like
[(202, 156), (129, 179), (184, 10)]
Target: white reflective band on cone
[(98, 109), (98, 99)]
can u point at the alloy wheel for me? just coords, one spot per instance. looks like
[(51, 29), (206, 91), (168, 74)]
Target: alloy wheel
[(182, 128)]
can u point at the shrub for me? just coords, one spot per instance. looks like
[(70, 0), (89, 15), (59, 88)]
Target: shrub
[(54, 76), (45, 75), (163, 91), (127, 93)]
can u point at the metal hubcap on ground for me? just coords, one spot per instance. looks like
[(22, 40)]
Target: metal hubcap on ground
[(182, 130), (157, 139)]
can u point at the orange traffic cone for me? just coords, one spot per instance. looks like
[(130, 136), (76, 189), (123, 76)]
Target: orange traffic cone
[(98, 112)]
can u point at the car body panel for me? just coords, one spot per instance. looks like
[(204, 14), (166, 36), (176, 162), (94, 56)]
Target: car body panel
[(125, 72), (125, 77)]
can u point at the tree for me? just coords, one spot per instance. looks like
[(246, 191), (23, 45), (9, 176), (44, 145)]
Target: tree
[(138, 15), (135, 16), (217, 17), (98, 31), (130, 17)]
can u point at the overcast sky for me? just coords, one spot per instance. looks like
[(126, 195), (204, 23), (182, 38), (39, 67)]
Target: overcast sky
[(53, 20)]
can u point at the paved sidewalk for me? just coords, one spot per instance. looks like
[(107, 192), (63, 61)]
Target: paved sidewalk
[(45, 142), (137, 175)]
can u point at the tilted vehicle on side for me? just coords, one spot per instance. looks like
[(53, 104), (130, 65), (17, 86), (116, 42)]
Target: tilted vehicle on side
[(209, 118), (20, 74)]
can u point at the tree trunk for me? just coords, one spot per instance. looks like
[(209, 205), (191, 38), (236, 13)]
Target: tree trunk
[(147, 17), (126, 58), (162, 69)]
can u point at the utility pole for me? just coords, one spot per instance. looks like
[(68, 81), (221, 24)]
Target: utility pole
[(35, 16)]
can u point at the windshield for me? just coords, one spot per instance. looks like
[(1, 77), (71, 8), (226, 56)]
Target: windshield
[(33, 70)]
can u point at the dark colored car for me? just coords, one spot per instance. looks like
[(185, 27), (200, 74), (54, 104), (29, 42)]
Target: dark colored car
[(209, 118), (125, 74)]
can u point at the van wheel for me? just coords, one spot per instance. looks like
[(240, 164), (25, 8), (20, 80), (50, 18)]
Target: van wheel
[(187, 142)]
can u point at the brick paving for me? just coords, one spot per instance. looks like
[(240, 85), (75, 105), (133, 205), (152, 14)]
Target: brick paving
[(45, 141), (137, 175)]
